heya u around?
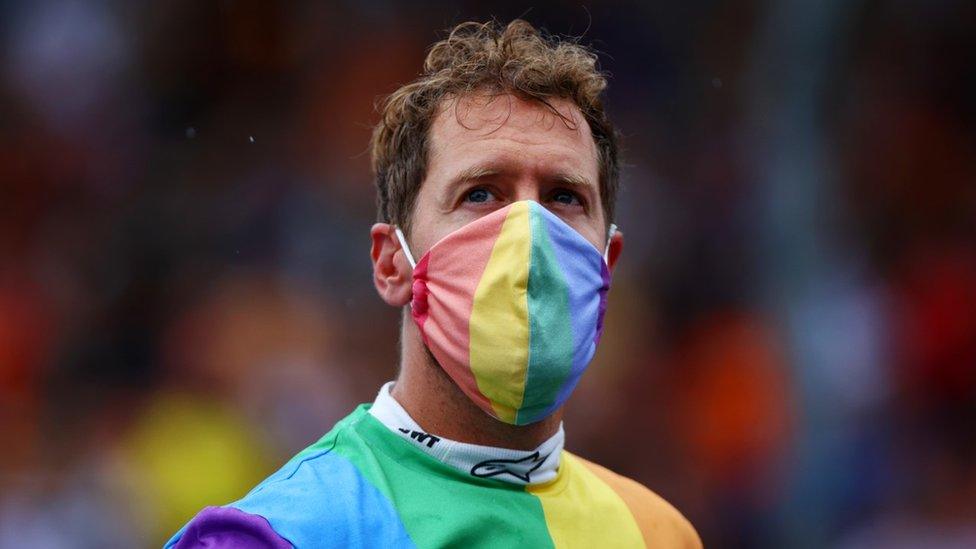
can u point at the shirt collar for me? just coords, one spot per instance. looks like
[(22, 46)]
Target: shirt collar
[(535, 466)]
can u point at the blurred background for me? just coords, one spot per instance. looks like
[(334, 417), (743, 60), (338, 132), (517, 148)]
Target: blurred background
[(185, 292)]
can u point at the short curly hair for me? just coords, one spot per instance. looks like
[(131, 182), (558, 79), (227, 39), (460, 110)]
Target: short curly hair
[(476, 57)]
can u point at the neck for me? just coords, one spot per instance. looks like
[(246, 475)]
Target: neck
[(433, 400)]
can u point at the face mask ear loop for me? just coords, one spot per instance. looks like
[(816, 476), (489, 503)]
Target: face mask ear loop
[(606, 251), (406, 249)]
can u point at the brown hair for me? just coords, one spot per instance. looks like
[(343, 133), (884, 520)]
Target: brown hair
[(514, 59)]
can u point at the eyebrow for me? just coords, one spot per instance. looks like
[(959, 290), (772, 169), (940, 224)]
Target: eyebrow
[(475, 173), (484, 171), (572, 179)]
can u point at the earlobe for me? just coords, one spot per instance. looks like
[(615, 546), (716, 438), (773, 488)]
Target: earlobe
[(615, 249), (392, 275)]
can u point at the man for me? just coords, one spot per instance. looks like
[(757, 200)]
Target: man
[(497, 174)]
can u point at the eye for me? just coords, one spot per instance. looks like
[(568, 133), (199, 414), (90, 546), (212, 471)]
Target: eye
[(565, 197), (478, 195)]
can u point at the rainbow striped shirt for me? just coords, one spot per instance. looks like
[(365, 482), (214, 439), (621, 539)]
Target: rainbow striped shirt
[(363, 485)]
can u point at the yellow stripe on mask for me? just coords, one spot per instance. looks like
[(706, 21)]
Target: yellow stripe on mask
[(499, 325)]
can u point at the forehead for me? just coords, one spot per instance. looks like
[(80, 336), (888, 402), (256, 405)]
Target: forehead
[(479, 124)]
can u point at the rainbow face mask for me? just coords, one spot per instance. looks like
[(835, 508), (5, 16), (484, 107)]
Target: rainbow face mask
[(511, 306)]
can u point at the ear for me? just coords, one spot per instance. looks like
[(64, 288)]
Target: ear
[(392, 274), (616, 247)]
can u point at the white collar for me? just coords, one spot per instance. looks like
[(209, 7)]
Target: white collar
[(516, 466)]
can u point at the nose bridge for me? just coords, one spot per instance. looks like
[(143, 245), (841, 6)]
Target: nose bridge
[(528, 187)]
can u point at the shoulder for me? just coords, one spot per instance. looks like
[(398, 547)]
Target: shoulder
[(660, 522), (319, 496)]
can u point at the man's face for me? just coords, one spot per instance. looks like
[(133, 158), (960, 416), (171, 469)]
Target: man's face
[(487, 152)]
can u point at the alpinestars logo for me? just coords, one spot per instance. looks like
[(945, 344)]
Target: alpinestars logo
[(421, 437), (495, 467)]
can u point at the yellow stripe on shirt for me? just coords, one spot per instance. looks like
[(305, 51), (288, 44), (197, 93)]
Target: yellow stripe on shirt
[(583, 511), (660, 523)]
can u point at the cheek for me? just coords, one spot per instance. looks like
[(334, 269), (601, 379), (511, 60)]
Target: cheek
[(426, 230), (464, 216), (423, 225)]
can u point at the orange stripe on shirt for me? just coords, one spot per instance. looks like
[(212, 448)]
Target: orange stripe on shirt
[(660, 523)]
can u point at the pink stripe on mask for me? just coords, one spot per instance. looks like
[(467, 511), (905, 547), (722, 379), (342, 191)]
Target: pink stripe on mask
[(450, 276)]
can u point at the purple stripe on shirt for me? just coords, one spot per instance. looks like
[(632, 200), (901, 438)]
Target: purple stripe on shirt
[(219, 527)]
